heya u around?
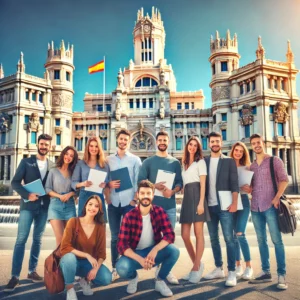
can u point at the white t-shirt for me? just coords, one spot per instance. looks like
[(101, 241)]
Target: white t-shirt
[(147, 236), (212, 193), (42, 164), (193, 173)]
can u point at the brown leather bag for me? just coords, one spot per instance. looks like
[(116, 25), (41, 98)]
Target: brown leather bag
[(53, 277)]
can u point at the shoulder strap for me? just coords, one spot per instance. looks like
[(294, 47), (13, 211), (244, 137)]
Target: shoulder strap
[(273, 174)]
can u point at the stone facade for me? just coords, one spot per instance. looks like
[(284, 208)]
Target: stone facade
[(259, 97)]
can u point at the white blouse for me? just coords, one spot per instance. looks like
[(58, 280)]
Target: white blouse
[(193, 173)]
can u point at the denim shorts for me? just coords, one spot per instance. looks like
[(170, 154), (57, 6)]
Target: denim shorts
[(59, 210)]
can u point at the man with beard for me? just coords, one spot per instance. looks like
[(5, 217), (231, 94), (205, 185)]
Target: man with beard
[(221, 176), (121, 202), (33, 209), (163, 161), (264, 205), (145, 240)]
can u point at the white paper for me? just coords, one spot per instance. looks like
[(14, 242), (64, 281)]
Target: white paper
[(164, 176), (96, 177), (226, 200), (245, 176)]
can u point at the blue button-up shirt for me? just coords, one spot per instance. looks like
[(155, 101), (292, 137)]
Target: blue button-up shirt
[(133, 163)]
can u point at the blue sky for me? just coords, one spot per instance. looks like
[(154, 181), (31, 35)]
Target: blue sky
[(98, 27)]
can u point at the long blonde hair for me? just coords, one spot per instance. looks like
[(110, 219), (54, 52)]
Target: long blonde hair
[(245, 160), (100, 156)]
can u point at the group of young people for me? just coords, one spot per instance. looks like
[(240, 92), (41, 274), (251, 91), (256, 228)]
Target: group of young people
[(142, 218)]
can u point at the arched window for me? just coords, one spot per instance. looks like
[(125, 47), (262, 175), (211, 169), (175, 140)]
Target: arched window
[(146, 82)]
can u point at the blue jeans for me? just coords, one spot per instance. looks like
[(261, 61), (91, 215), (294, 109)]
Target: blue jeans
[(172, 216), (71, 266), (83, 196), (260, 219), (114, 219), (39, 218), (167, 257), (226, 220), (240, 219)]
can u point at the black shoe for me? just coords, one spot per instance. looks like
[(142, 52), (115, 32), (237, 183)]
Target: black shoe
[(262, 277), (35, 277), (12, 284)]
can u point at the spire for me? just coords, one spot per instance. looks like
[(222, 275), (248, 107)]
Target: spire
[(1, 72), (228, 35), (260, 52), (217, 34), (21, 65), (289, 54)]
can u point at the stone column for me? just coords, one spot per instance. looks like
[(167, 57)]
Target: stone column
[(285, 158), (5, 168), (184, 140)]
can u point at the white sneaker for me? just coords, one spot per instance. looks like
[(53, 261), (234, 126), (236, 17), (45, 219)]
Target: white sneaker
[(172, 278), (161, 286), (248, 274), (196, 275), (281, 283), (186, 276), (114, 275), (231, 279), (71, 294), (239, 271), (216, 273), (132, 285), (86, 287)]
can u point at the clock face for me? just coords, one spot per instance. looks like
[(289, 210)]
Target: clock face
[(146, 28)]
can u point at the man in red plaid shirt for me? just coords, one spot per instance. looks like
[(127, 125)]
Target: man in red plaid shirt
[(145, 240)]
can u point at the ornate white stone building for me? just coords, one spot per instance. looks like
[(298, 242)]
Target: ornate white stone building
[(259, 97)]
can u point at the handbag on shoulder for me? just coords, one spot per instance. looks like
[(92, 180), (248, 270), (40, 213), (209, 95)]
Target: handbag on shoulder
[(53, 277), (287, 220)]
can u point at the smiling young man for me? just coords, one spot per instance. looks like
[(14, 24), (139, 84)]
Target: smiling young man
[(163, 161), (221, 176), (264, 205), (121, 202), (33, 210), (145, 240)]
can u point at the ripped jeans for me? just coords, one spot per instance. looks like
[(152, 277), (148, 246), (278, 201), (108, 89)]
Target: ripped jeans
[(240, 219)]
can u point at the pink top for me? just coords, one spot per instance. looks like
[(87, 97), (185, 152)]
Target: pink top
[(263, 192)]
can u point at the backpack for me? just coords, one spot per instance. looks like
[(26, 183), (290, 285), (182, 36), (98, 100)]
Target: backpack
[(53, 276), (287, 219)]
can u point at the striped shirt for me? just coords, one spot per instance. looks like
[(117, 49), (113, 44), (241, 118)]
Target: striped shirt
[(262, 187)]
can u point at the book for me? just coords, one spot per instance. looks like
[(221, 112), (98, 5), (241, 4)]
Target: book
[(124, 177)]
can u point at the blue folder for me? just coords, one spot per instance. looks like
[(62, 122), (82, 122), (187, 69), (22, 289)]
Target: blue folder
[(35, 187), (123, 175)]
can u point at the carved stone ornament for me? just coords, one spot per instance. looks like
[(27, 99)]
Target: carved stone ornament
[(91, 133), (141, 128), (219, 93), (280, 113), (146, 142), (204, 132), (103, 133), (247, 116), (62, 100), (118, 109), (78, 135), (162, 128), (192, 131), (34, 122), (58, 130), (223, 125), (162, 108), (178, 132), (162, 78), (4, 122)]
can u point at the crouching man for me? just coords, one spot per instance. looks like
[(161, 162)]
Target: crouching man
[(145, 240)]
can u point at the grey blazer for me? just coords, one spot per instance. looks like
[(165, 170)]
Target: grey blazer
[(227, 176), (28, 171)]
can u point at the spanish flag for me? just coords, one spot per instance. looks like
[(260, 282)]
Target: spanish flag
[(98, 67)]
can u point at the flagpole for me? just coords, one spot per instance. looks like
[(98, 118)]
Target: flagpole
[(104, 84)]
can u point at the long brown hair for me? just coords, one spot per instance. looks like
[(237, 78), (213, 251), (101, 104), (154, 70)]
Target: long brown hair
[(72, 164), (100, 156), (245, 160), (99, 218), (186, 154)]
